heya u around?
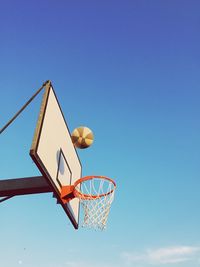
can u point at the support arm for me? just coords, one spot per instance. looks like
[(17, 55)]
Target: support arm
[(24, 186)]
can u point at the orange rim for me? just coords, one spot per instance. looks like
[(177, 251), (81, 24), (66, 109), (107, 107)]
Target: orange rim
[(87, 196)]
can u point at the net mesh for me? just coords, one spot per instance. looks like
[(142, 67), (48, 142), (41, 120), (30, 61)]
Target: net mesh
[(96, 209)]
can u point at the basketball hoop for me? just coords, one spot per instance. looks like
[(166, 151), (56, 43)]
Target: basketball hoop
[(96, 194)]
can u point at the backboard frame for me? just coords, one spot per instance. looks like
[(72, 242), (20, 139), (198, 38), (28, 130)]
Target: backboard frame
[(37, 160)]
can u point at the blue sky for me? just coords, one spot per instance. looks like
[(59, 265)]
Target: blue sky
[(129, 70)]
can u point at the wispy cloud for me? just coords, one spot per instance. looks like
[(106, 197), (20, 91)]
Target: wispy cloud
[(87, 264), (167, 255)]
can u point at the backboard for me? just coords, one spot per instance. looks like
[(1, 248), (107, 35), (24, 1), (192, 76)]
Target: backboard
[(54, 153)]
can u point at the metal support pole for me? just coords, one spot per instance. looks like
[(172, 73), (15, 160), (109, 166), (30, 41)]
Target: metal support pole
[(5, 198), (27, 103), (24, 186)]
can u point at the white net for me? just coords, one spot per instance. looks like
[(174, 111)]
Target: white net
[(96, 196)]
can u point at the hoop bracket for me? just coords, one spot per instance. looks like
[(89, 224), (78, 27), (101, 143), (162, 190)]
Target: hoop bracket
[(67, 193)]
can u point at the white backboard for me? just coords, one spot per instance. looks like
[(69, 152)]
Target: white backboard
[(54, 153)]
